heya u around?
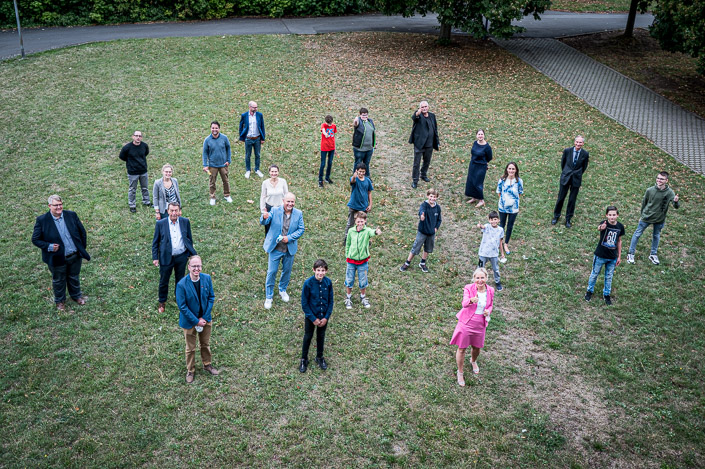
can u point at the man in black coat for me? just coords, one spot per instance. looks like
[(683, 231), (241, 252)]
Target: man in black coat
[(62, 238), (424, 136), (573, 165), (171, 247)]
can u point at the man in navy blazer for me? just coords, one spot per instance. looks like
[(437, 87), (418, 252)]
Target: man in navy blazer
[(252, 133), (195, 297), (286, 225), (573, 165), (62, 238), (171, 247)]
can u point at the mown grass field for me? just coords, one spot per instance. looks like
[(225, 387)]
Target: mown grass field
[(563, 383), (596, 6)]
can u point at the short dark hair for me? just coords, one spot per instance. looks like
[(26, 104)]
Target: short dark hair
[(360, 166), (329, 119), (216, 123), (664, 174), (175, 204), (320, 263), (363, 110), (610, 208), (273, 166), (493, 214)]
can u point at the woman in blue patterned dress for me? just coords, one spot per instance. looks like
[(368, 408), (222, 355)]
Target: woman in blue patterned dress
[(510, 187)]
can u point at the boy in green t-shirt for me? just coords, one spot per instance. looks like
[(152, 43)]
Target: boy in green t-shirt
[(357, 253)]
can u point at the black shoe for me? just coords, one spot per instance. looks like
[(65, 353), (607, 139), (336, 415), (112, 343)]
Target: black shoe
[(404, 267), (588, 295), (329, 181), (425, 178), (608, 300), (133, 209), (303, 365), (554, 220), (320, 183), (567, 224), (322, 363), (414, 185), (422, 266)]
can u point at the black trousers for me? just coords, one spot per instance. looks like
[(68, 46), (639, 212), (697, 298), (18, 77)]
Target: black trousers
[(308, 335), (178, 265), (67, 274), (570, 210), (425, 154), (508, 219)]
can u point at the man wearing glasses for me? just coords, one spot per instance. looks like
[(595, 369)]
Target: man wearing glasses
[(62, 238), (134, 154)]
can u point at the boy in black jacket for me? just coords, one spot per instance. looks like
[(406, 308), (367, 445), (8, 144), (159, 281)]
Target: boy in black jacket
[(429, 222)]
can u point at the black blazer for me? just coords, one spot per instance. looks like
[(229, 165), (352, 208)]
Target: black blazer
[(45, 233), (573, 175), (161, 243), (419, 133)]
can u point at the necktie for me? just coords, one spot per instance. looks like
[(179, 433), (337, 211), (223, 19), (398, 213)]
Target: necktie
[(575, 157)]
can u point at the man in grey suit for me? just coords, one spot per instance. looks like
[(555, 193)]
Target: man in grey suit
[(424, 137), (573, 165)]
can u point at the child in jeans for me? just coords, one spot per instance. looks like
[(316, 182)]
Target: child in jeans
[(328, 131), (317, 303), (491, 245), (607, 253), (357, 253), (360, 195), (429, 222)]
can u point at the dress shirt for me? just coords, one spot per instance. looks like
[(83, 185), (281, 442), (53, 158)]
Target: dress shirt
[(177, 242), (69, 247), (253, 131), (286, 222)]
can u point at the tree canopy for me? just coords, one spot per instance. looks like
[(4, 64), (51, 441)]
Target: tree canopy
[(679, 26)]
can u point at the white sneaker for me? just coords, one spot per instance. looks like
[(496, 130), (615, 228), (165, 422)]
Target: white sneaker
[(285, 296), (654, 259), (228, 199), (348, 303), (365, 302), (259, 173), (212, 201), (247, 175), (630, 258), (268, 303)]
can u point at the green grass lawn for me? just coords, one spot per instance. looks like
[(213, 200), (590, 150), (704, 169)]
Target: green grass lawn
[(596, 6), (563, 383)]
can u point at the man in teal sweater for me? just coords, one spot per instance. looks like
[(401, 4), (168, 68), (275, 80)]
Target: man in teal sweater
[(654, 208)]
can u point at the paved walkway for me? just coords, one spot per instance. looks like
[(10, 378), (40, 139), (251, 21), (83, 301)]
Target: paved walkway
[(678, 132)]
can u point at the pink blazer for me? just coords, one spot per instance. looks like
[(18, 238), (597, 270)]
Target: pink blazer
[(468, 311)]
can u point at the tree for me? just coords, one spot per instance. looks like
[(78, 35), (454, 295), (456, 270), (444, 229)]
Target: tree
[(642, 6), (679, 26), (476, 17)]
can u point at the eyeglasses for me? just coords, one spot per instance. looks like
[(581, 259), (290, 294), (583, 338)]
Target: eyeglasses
[(138, 136), (196, 267)]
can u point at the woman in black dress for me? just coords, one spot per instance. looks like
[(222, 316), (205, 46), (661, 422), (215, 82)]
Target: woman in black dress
[(481, 155)]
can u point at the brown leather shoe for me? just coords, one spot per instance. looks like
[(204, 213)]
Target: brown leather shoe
[(162, 308), (211, 370), (61, 306), (81, 301), (189, 377)]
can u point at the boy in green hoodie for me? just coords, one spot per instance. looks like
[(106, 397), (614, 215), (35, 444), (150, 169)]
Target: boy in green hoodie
[(357, 253), (653, 212)]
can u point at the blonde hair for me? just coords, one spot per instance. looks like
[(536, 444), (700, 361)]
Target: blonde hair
[(479, 269), (168, 166)]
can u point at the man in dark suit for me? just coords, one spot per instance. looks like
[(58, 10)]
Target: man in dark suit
[(171, 247), (573, 165), (62, 238), (424, 136)]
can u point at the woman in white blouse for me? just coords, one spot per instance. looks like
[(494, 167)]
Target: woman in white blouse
[(273, 191)]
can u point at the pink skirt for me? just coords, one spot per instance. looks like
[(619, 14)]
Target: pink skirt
[(473, 333)]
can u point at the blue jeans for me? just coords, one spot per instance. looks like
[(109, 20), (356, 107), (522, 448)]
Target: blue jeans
[(494, 261), (329, 154), (361, 275), (287, 261), (640, 230), (249, 143), (363, 157), (597, 264)]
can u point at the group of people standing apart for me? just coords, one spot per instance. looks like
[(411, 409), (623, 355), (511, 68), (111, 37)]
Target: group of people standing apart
[(62, 238)]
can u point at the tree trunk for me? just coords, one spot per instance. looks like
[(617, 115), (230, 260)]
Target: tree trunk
[(444, 37), (629, 29)]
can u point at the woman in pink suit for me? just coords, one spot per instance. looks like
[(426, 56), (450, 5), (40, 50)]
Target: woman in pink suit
[(472, 321)]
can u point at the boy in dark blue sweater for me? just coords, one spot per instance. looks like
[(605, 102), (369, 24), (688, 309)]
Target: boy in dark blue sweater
[(429, 222), (317, 303)]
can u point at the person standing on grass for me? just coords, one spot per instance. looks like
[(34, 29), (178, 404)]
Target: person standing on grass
[(481, 155), (608, 253), (363, 140), (328, 131), (654, 208), (195, 297), (573, 164), (360, 196), (165, 191), (429, 222), (478, 301), (317, 303), (510, 188), (134, 154), (252, 133), (273, 191), (491, 245), (357, 254), (216, 160), (171, 246), (286, 227), (62, 239), (424, 137)]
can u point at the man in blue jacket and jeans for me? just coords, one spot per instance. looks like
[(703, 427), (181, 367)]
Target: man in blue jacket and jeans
[(252, 133)]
